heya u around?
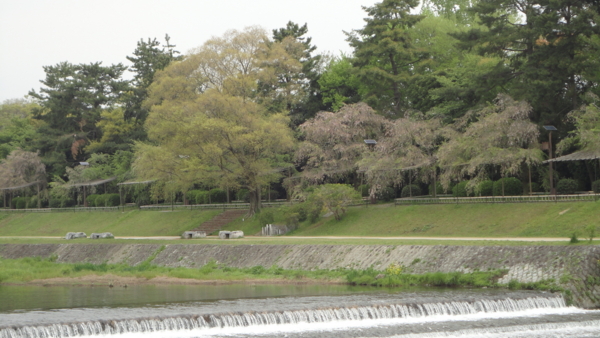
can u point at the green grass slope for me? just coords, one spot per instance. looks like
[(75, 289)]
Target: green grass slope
[(128, 223), (464, 220)]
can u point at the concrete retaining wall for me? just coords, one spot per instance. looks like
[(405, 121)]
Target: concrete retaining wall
[(576, 267)]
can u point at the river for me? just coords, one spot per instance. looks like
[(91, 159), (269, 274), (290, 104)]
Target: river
[(184, 311)]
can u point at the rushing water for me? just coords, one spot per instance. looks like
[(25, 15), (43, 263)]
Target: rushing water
[(286, 311)]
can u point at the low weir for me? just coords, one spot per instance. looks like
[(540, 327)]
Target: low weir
[(390, 314)]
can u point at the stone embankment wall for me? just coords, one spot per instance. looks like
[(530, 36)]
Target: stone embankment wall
[(576, 268)]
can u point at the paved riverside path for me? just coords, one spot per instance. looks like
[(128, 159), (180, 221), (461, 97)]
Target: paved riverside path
[(510, 239)]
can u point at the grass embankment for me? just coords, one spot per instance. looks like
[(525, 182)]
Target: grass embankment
[(456, 220), (128, 223), (21, 271), (384, 220)]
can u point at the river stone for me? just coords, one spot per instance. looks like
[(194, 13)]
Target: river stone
[(226, 234), (74, 235), (193, 234), (101, 235)]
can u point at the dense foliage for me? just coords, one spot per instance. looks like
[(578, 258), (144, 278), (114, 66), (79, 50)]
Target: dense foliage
[(457, 92)]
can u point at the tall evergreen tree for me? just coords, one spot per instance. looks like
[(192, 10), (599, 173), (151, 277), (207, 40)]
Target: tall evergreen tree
[(548, 50), (385, 54), (311, 103), (148, 57)]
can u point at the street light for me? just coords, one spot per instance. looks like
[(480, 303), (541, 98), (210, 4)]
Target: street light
[(550, 129)]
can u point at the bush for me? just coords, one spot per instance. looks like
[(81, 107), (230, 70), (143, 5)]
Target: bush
[(363, 189), (266, 216), (91, 200), (596, 186), (191, 196), (566, 186), (54, 203), (460, 190), (218, 196), (386, 194), (512, 187), (485, 188), (33, 203), (439, 188), (112, 200), (243, 195), (300, 210), (409, 190), (20, 202), (202, 197), (99, 201)]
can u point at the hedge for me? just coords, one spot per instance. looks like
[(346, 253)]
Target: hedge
[(218, 196), (566, 186), (411, 190), (512, 187), (485, 188), (460, 190)]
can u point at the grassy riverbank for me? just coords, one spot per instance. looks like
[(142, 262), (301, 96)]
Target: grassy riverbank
[(128, 223), (458, 220), (47, 272), (384, 220)]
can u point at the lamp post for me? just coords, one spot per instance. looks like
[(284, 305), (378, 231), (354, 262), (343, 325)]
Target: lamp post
[(550, 129)]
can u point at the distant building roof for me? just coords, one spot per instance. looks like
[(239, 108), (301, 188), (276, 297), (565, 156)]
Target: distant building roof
[(578, 156)]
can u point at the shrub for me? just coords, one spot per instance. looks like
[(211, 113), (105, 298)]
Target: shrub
[(363, 189), (99, 201), (266, 216), (202, 197), (566, 186), (386, 194), (218, 196), (300, 210), (439, 188), (20, 202), (112, 200), (91, 199), (33, 202), (596, 186), (512, 187), (191, 196), (409, 190), (460, 190), (243, 195), (54, 203), (574, 239), (485, 188)]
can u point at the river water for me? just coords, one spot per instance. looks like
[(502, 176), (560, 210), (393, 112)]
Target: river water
[(177, 311)]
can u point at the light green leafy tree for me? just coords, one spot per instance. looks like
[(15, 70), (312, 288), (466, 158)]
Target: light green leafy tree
[(335, 198)]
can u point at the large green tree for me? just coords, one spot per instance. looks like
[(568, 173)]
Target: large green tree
[(207, 124), (148, 58), (548, 48), (71, 102), (386, 56)]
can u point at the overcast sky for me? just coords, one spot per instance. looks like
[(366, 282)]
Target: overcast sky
[(36, 33)]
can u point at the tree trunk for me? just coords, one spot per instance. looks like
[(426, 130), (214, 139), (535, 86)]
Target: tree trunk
[(254, 201)]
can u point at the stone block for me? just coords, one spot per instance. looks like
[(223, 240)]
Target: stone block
[(226, 234), (193, 234), (75, 235), (101, 235)]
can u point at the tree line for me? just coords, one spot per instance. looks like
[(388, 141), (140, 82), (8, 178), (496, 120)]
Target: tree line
[(459, 91)]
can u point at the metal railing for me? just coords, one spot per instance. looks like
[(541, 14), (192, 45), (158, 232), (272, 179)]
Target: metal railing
[(498, 199), (209, 206)]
